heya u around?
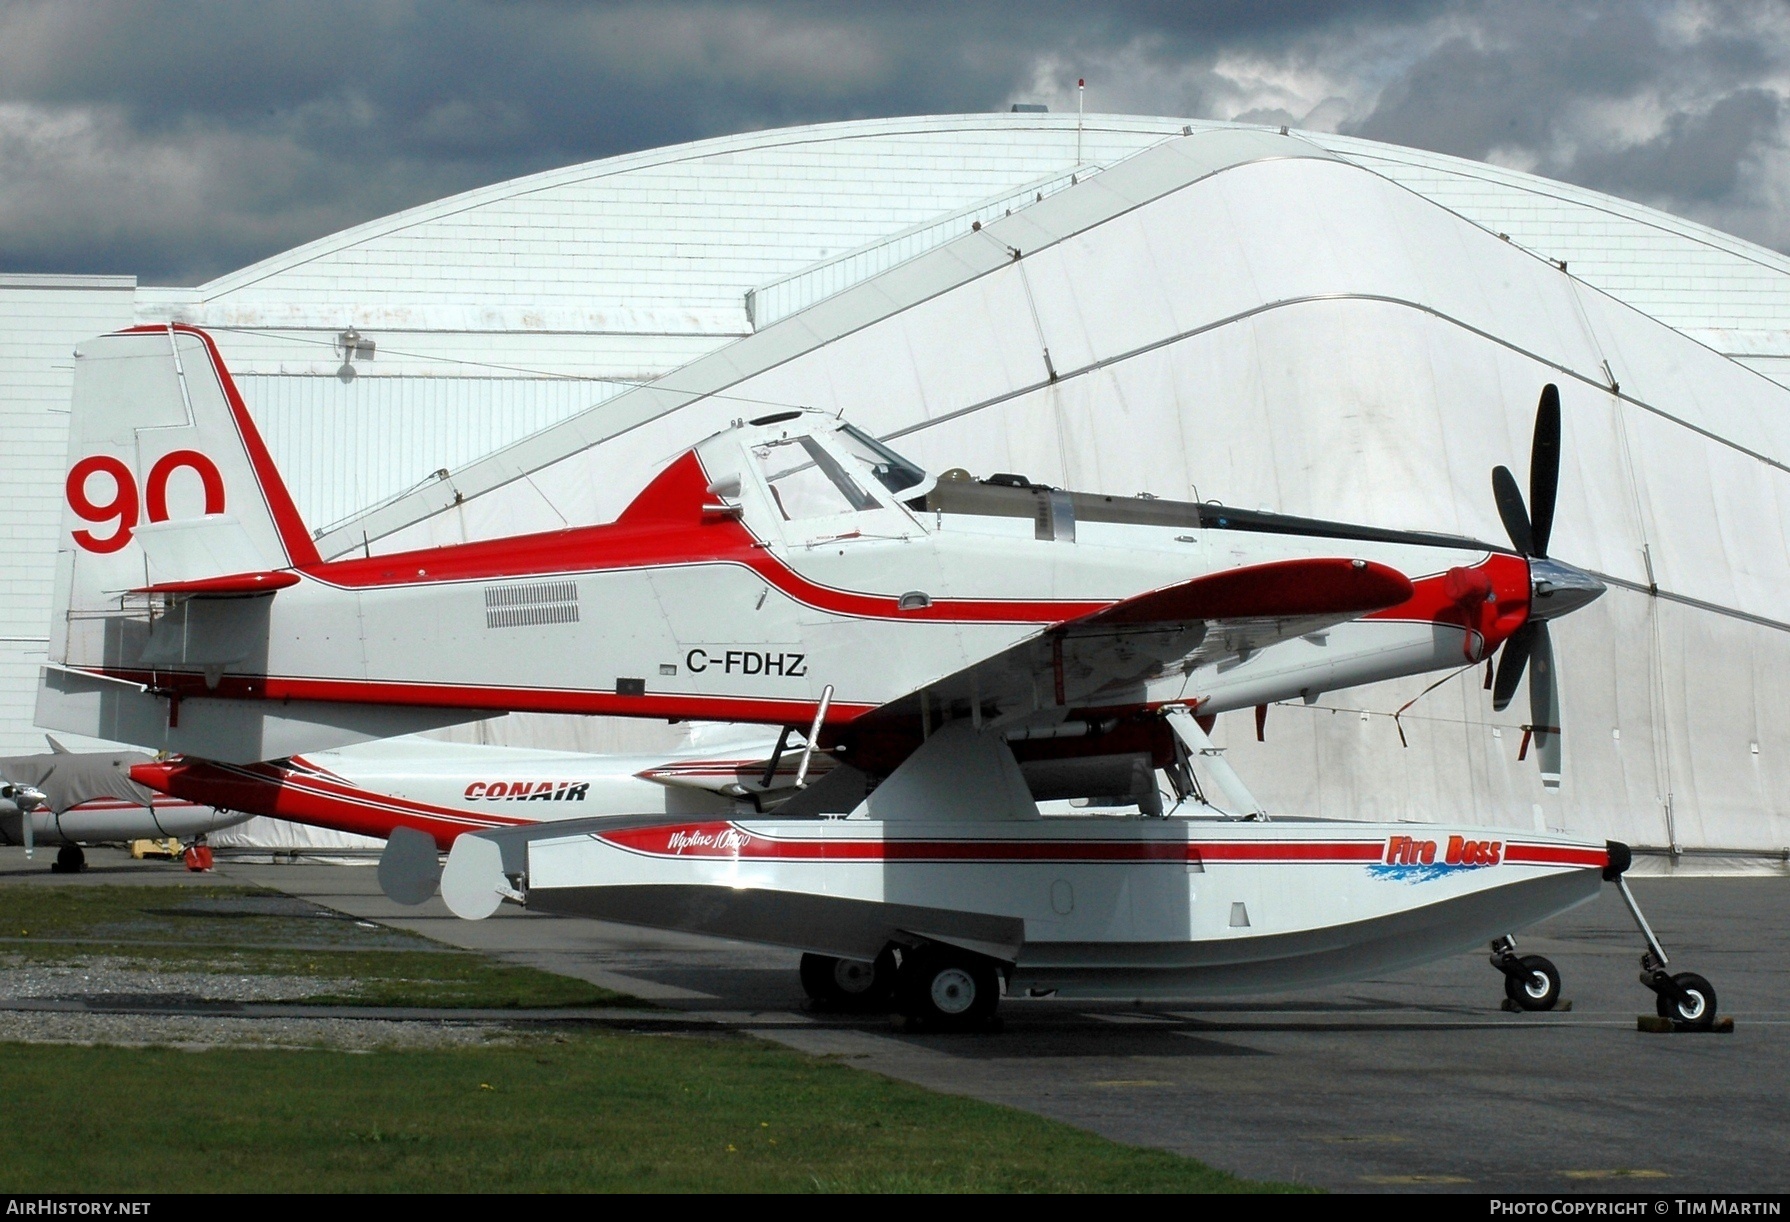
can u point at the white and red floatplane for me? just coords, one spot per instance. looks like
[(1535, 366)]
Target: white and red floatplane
[(960, 649)]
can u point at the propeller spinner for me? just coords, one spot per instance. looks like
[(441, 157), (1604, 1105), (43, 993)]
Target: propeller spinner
[(1554, 588)]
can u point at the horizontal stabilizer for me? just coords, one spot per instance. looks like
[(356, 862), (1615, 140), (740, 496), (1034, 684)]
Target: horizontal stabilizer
[(235, 583), (189, 549), (229, 731)]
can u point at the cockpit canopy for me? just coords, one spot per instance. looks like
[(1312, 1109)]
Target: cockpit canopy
[(816, 466)]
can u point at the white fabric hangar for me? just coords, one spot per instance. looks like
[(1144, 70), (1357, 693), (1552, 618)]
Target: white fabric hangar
[(1313, 324)]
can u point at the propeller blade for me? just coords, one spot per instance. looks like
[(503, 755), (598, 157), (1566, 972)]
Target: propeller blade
[(1544, 469), (1544, 706), (1510, 508), (1510, 666)]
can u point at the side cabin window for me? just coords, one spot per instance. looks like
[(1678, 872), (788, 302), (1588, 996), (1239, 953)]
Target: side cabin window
[(807, 482)]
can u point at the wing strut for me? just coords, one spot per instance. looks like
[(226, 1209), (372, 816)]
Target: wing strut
[(820, 717), (1188, 730)]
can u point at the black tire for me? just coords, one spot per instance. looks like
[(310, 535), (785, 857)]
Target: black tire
[(1537, 988), (1698, 1013), (948, 989), (849, 983), (69, 860)]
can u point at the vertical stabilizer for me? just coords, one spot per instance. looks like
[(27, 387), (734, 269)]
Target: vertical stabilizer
[(168, 481)]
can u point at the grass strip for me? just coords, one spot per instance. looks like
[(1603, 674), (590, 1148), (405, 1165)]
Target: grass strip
[(587, 1112), (457, 979), (220, 931)]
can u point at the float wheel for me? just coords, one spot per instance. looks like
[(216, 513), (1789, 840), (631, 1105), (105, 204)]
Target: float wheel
[(1536, 987), (1695, 1008), (948, 989), (849, 983)]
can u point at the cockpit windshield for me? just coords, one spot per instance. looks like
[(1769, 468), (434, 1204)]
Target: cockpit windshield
[(808, 482), (893, 471)]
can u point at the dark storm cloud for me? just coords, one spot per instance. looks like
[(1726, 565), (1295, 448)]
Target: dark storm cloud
[(1560, 89), (481, 75), (181, 140), (1485, 90), (189, 139), (1697, 158)]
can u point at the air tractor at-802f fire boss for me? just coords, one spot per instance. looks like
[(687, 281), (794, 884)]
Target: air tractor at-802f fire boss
[(959, 649)]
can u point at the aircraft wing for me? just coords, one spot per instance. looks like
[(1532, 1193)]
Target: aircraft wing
[(1106, 659)]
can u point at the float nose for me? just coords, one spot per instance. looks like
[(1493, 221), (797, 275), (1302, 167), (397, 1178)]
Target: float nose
[(1556, 589)]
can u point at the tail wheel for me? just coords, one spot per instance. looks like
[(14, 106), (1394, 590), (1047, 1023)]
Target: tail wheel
[(1536, 987), (1695, 1005), (948, 989)]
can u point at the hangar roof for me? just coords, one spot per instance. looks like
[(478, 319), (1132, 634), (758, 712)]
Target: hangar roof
[(505, 310), (673, 238), (1249, 317)]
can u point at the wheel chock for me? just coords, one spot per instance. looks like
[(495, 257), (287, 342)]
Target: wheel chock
[(1656, 1025)]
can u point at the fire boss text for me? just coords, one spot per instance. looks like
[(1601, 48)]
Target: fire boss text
[(1406, 851)]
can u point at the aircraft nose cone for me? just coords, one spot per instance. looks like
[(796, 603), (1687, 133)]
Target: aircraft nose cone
[(1556, 589), (22, 797)]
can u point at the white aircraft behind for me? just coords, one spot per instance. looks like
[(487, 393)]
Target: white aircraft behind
[(75, 798), (436, 791)]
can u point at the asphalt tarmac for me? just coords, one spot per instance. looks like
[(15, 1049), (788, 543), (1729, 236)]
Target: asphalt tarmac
[(1417, 1082)]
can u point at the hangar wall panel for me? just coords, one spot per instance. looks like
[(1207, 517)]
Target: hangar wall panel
[(1688, 276), (1299, 333), (42, 319), (342, 446)]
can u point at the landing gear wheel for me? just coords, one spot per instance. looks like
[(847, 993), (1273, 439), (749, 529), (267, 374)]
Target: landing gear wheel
[(947, 989), (1536, 987), (1695, 1008), (1687, 999), (69, 860), (852, 984)]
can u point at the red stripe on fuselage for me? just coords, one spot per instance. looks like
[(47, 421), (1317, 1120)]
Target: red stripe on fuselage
[(187, 684), (728, 841), (664, 527), (723, 841)]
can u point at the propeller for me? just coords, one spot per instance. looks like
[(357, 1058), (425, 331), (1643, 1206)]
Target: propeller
[(1554, 588)]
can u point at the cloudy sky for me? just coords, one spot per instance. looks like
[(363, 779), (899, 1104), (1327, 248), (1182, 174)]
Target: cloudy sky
[(181, 140)]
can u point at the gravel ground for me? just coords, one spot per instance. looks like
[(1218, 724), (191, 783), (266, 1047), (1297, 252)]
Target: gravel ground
[(198, 1034), (112, 980)]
